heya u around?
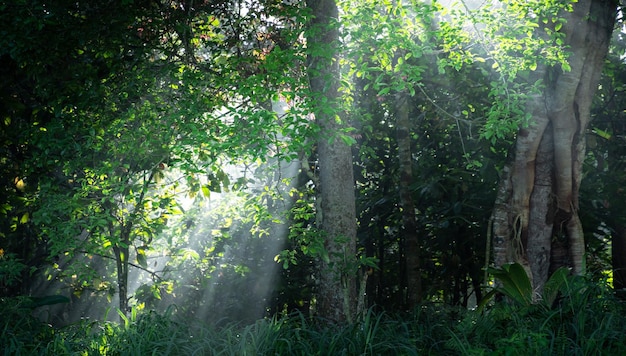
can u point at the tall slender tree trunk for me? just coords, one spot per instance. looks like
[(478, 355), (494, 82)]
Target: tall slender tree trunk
[(410, 237), (121, 260), (536, 209), (337, 212)]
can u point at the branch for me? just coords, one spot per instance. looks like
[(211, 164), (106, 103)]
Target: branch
[(151, 273)]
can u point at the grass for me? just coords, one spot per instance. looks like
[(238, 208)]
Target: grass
[(585, 321)]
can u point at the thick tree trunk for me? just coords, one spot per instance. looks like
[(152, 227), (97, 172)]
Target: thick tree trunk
[(540, 226), (537, 202), (337, 214), (409, 224)]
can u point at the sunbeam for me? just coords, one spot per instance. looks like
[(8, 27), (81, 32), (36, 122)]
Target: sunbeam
[(216, 260), (213, 259)]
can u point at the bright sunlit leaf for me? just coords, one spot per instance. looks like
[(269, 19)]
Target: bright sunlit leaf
[(604, 134), (156, 292), (142, 259), (558, 26), (187, 253), (206, 192), (19, 184), (566, 67)]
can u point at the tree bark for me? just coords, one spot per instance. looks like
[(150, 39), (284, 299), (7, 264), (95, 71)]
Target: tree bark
[(410, 237), (337, 212), (121, 261), (537, 200)]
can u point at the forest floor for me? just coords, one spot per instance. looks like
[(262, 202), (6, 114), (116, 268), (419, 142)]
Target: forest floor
[(589, 321)]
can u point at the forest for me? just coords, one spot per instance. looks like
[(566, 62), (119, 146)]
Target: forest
[(319, 177)]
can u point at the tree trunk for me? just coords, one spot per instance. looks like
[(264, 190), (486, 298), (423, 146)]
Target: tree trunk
[(409, 224), (537, 202), (337, 214), (120, 252), (121, 260)]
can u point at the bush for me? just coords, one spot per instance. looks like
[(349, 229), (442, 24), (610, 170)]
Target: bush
[(22, 334), (585, 318)]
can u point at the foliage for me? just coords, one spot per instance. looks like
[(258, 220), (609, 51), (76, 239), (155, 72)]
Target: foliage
[(150, 113), (586, 319), (515, 283), (113, 116), (11, 268), (517, 286), (512, 40), (602, 194), (395, 48), (23, 334), (583, 320)]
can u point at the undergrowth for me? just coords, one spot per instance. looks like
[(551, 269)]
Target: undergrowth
[(585, 319)]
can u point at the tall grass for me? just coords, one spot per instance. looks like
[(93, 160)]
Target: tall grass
[(585, 320)]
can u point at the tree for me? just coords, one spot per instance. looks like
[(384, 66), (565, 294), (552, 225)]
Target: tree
[(57, 68), (424, 177), (535, 220), (337, 212), (602, 197), (109, 113), (103, 118), (381, 57)]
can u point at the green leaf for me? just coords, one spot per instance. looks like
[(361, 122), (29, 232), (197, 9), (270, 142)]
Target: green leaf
[(4, 208), (486, 299), (566, 67), (187, 253), (142, 259), (206, 192), (384, 91), (553, 285), (515, 283), (348, 140), (48, 300), (558, 26), (324, 255), (604, 134)]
